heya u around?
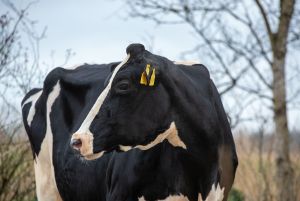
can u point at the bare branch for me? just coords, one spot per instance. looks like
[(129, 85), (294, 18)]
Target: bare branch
[(265, 19)]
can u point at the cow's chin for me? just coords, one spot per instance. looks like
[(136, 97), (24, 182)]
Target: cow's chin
[(95, 156)]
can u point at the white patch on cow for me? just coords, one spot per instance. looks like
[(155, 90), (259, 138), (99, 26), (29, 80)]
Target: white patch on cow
[(216, 194), (74, 66), (77, 65), (175, 198), (171, 135), (187, 63), (169, 198), (94, 156), (46, 187), (33, 98), (84, 128), (125, 148)]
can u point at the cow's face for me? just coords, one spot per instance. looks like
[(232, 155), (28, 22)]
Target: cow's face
[(134, 110)]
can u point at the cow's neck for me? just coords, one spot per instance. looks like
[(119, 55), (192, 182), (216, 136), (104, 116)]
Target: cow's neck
[(183, 94), (190, 139), (192, 113)]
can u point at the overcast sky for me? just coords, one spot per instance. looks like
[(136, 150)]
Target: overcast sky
[(97, 31)]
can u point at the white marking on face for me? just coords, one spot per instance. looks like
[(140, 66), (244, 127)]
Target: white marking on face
[(46, 187), (171, 135), (187, 63), (84, 128), (33, 100)]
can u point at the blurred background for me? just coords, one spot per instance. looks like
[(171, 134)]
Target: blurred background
[(251, 48)]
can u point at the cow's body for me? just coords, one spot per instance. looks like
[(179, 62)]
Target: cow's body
[(164, 170), (175, 164)]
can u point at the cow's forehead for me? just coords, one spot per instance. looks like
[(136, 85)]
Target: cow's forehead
[(127, 73), (84, 128), (131, 68)]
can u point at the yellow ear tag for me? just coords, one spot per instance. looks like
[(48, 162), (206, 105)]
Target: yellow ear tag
[(147, 69), (152, 79), (144, 75), (143, 79)]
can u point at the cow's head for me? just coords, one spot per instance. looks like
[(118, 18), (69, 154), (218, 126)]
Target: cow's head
[(133, 111)]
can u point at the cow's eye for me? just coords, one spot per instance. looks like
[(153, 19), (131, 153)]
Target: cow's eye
[(122, 87)]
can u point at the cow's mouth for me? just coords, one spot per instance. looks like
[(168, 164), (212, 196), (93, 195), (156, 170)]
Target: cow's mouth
[(94, 156), (99, 154), (87, 151)]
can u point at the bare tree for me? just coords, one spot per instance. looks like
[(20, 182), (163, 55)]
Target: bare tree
[(19, 70), (247, 42), (19, 57)]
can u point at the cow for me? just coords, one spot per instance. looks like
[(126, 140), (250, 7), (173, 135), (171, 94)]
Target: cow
[(50, 115), (167, 128)]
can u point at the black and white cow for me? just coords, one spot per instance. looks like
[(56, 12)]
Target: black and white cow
[(50, 116), (169, 121)]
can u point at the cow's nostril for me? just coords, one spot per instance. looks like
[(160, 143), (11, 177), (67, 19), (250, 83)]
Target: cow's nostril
[(76, 143)]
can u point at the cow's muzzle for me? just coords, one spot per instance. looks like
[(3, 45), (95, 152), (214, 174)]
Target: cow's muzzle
[(83, 142)]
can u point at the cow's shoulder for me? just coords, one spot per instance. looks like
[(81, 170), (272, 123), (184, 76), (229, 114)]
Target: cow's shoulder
[(198, 79), (201, 69)]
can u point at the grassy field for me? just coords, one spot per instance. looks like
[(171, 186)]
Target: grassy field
[(16, 171), (255, 174)]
